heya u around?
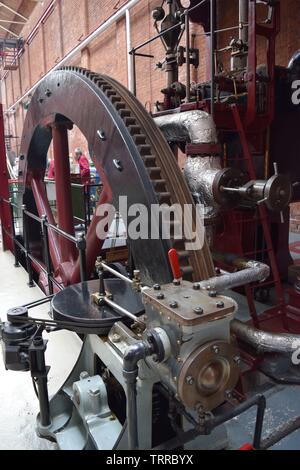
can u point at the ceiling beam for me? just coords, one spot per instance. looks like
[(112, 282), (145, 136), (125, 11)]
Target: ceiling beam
[(13, 11), (13, 22), (10, 32)]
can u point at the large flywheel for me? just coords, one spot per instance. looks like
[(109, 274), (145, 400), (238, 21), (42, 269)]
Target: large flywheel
[(117, 129)]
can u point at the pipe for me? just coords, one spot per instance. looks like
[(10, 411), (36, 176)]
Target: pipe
[(132, 356), (130, 69), (265, 342), (253, 271), (212, 54), (188, 61), (103, 27), (243, 20), (283, 431), (196, 127)]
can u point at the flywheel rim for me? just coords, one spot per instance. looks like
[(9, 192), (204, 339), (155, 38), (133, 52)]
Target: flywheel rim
[(131, 118)]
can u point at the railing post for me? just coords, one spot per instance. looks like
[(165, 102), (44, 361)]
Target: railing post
[(81, 245), (13, 233), (88, 200), (27, 247), (47, 258)]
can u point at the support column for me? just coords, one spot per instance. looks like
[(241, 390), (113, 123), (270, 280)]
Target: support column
[(63, 188)]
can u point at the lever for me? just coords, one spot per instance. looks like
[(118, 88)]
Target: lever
[(175, 266)]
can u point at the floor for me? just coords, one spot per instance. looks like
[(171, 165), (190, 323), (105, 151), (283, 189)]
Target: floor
[(19, 405)]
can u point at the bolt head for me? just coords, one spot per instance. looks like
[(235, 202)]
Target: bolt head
[(228, 394), (237, 360), (174, 304), (199, 310), (213, 293), (176, 282), (216, 349), (116, 338), (189, 380), (220, 304), (196, 286), (156, 287), (160, 296), (84, 375)]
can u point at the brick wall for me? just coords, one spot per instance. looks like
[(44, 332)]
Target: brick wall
[(71, 20)]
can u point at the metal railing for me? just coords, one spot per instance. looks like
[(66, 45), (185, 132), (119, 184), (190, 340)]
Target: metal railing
[(86, 190), (25, 248)]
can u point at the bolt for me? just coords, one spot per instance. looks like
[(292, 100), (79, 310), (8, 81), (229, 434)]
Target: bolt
[(101, 134), (196, 286), (216, 349), (199, 310), (228, 394), (116, 338), (220, 304), (176, 282), (48, 92), (189, 380), (213, 293), (84, 375), (160, 296), (174, 304), (156, 287), (237, 360)]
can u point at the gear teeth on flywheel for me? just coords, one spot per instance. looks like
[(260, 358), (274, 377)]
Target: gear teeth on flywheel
[(154, 171)]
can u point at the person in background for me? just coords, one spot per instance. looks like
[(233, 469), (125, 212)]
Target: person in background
[(51, 170), (84, 166)]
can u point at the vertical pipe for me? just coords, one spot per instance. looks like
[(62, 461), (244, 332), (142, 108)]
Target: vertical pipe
[(243, 20), (63, 189), (134, 73), (188, 62), (212, 53), (129, 56)]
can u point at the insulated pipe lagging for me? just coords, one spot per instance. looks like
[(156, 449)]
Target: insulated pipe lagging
[(195, 127), (265, 342), (253, 272)]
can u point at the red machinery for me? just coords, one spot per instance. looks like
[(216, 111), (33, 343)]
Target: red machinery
[(249, 111)]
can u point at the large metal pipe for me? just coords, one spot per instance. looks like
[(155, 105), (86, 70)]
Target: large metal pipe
[(265, 342), (196, 127), (243, 20), (253, 271)]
